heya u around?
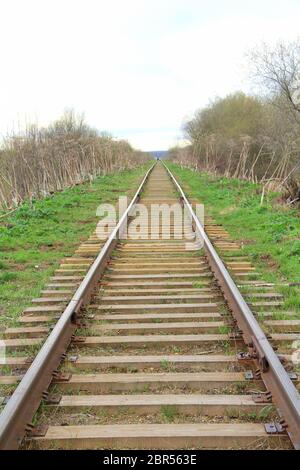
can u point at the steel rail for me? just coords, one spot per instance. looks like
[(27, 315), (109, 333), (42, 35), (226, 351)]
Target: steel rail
[(276, 379), (16, 417)]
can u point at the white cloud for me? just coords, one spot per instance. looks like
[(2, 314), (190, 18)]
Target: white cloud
[(135, 64)]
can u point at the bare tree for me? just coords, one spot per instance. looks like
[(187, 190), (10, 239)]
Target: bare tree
[(277, 70)]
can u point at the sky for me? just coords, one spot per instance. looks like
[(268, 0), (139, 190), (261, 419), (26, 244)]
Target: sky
[(136, 68)]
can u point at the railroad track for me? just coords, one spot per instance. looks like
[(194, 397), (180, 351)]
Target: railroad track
[(150, 344)]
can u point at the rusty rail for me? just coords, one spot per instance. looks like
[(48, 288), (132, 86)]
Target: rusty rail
[(276, 379), (17, 415)]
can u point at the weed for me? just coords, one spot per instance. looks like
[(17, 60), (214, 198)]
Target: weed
[(164, 364), (224, 329), (169, 412), (273, 229), (198, 285), (232, 413)]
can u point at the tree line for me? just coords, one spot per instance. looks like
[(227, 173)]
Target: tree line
[(253, 137)]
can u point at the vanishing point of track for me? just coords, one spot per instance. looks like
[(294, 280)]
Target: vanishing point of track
[(147, 344)]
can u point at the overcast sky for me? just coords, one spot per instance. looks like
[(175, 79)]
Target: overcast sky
[(136, 68)]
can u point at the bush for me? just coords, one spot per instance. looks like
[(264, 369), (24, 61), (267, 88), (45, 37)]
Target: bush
[(245, 137), (67, 152)]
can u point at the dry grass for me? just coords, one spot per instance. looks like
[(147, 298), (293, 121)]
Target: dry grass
[(68, 152)]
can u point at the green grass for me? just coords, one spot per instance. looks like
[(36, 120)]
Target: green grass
[(270, 232), (164, 364), (169, 413), (224, 330), (35, 238)]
